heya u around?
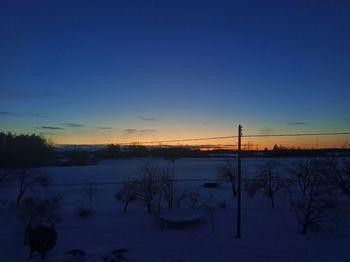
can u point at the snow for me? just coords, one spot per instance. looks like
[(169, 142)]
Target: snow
[(267, 234), (182, 215)]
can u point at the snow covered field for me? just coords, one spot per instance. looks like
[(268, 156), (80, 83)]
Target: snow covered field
[(267, 234)]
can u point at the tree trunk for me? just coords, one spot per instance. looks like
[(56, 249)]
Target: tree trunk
[(272, 202), (20, 195), (126, 204), (22, 187), (149, 206), (307, 220), (234, 192), (305, 228)]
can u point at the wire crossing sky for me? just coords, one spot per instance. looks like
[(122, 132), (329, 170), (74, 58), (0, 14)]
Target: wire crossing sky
[(92, 72)]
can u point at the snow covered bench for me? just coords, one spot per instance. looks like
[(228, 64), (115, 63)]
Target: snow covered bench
[(180, 216)]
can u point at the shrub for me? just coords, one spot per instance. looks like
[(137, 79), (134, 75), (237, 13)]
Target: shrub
[(83, 212), (222, 204), (36, 209)]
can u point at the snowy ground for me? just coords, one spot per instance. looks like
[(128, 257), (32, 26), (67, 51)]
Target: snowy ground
[(267, 234)]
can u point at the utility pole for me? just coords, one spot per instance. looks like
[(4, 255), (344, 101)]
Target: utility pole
[(238, 232)]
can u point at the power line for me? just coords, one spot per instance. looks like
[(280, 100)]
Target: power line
[(300, 134), (249, 135), (184, 140)]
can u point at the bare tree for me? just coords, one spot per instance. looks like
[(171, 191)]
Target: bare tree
[(194, 199), (168, 187), (148, 186), (314, 208), (180, 196), (316, 203), (155, 187), (302, 173), (39, 209), (127, 194), (90, 191), (36, 209), (28, 178), (228, 173), (268, 182), (145, 189), (339, 173)]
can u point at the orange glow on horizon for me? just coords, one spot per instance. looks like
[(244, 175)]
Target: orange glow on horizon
[(306, 142)]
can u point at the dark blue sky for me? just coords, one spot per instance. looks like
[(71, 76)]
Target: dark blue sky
[(113, 71)]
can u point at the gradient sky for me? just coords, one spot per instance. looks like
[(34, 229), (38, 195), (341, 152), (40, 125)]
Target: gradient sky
[(121, 71)]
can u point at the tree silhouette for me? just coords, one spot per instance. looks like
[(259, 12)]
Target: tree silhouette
[(267, 181), (23, 151), (228, 173), (312, 195), (19, 156)]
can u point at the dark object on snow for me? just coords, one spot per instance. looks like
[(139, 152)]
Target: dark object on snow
[(76, 252), (41, 239), (120, 251), (110, 259), (211, 184), (117, 255)]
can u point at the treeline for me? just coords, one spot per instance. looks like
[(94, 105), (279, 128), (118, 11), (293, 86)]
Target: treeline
[(297, 152), (24, 151), (117, 151)]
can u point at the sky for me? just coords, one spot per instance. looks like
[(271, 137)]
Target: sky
[(92, 72)]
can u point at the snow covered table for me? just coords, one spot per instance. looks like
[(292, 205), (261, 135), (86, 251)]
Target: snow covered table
[(180, 216)]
